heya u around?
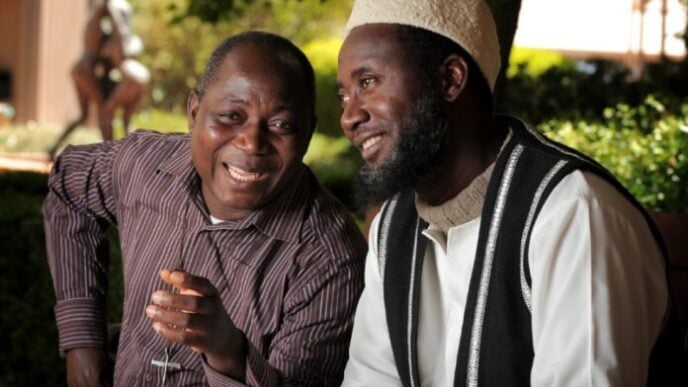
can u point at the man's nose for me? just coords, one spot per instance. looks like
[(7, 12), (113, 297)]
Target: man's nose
[(252, 138), (353, 115)]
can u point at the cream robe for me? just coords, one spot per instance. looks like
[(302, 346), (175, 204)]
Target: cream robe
[(599, 294)]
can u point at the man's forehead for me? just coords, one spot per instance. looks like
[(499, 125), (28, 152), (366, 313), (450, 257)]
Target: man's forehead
[(251, 67), (256, 83), (373, 34), (255, 57), (371, 42)]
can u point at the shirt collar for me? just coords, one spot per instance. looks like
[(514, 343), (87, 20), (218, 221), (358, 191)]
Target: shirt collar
[(282, 218)]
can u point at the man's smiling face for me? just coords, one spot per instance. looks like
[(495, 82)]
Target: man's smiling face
[(249, 130), (391, 112)]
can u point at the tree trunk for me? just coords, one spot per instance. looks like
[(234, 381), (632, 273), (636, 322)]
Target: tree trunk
[(506, 16)]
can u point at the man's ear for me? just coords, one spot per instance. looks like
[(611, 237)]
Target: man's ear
[(192, 109), (454, 77)]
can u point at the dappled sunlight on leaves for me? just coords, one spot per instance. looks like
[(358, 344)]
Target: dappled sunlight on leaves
[(643, 146)]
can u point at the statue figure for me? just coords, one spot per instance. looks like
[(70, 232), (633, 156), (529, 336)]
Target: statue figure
[(133, 78), (106, 74)]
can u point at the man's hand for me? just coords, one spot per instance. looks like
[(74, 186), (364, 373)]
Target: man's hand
[(195, 317), (88, 367)]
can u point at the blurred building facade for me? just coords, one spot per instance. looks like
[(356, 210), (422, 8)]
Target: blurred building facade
[(39, 42), (632, 31), (41, 39)]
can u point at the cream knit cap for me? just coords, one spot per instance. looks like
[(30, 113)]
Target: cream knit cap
[(466, 22)]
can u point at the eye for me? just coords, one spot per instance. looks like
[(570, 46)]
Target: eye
[(229, 117), (283, 127), (367, 82)]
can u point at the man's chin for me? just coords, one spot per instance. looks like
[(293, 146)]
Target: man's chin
[(373, 186)]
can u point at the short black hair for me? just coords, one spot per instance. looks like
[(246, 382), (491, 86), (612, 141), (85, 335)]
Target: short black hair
[(282, 47), (427, 50)]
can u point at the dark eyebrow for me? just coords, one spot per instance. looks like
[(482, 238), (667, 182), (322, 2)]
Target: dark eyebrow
[(284, 108), (356, 73)]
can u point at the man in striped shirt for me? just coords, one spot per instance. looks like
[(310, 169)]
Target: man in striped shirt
[(238, 267)]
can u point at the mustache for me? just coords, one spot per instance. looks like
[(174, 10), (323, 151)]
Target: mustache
[(422, 136)]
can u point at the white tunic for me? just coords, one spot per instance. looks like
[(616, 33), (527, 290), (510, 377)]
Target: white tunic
[(599, 295)]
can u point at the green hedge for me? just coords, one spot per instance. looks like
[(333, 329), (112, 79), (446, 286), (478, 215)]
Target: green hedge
[(543, 86), (645, 147), (28, 336)]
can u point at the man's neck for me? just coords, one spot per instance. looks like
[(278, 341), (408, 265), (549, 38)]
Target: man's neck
[(465, 157)]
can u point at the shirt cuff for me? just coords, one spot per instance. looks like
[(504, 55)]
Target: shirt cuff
[(81, 323), (217, 379), (258, 372)]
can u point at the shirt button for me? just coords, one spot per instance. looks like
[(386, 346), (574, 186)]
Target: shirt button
[(148, 377)]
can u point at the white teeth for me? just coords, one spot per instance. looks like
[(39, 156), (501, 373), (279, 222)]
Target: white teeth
[(241, 174), (371, 141)]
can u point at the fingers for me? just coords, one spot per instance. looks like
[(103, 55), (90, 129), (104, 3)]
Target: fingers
[(184, 303), (193, 317), (196, 339), (188, 283), (175, 319), (198, 331)]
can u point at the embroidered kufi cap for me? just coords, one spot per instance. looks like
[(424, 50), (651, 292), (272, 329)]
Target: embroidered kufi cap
[(469, 23)]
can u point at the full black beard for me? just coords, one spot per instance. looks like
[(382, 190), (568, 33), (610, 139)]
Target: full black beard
[(422, 134)]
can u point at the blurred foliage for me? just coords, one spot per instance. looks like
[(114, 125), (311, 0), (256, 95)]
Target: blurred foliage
[(177, 47), (541, 87), (636, 127), (645, 147), (28, 334), (161, 121), (32, 137), (534, 62), (335, 162), (212, 11), (323, 57), (28, 337)]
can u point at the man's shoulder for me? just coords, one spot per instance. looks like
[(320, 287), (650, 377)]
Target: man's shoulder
[(144, 139), (594, 192), (151, 147), (330, 227)]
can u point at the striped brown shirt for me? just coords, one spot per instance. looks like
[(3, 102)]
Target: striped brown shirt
[(289, 274)]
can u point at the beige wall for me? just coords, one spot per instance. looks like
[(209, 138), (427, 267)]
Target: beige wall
[(18, 50), (603, 28), (39, 42)]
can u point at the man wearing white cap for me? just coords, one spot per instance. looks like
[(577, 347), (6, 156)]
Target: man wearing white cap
[(499, 257)]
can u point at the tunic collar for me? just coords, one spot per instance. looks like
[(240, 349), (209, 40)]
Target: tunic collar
[(465, 206)]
